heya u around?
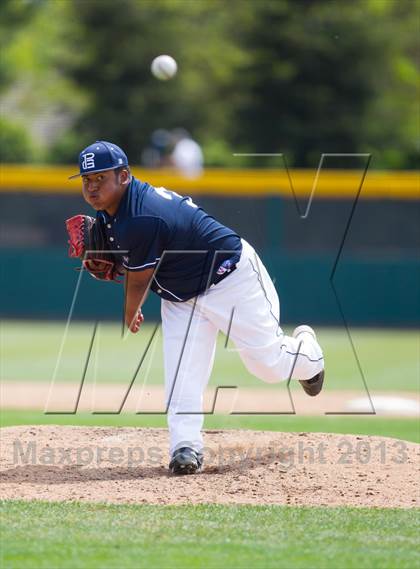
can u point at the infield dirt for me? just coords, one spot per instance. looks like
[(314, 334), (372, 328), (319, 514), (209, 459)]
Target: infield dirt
[(63, 396), (129, 465)]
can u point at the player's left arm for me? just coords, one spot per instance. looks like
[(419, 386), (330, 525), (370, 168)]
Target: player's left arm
[(137, 285)]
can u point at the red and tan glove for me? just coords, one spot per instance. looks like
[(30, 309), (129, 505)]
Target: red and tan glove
[(87, 242)]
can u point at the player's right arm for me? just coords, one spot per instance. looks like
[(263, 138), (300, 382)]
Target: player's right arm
[(137, 285)]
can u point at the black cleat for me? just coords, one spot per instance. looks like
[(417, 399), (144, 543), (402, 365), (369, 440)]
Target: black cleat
[(313, 386), (186, 460)]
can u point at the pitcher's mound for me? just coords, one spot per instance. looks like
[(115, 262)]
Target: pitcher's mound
[(129, 465)]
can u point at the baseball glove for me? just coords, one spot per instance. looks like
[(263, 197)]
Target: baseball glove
[(88, 243)]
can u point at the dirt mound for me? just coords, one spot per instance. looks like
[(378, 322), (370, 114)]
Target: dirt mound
[(129, 465)]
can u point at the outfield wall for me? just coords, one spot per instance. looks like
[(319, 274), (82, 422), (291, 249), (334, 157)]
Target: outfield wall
[(374, 259)]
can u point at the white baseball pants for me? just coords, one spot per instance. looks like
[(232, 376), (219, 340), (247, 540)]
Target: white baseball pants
[(189, 335)]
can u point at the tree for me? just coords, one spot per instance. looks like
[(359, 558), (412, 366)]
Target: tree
[(299, 77), (320, 75), (127, 102), (38, 98)]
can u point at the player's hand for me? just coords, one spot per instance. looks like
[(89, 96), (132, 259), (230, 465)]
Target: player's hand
[(137, 322)]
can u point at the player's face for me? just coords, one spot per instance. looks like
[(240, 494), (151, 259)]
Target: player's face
[(103, 190)]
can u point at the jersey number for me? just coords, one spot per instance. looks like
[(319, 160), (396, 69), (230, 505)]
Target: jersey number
[(164, 193)]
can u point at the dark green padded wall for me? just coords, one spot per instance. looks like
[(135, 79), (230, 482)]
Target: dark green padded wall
[(376, 278)]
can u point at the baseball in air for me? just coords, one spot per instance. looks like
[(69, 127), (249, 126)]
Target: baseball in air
[(164, 67)]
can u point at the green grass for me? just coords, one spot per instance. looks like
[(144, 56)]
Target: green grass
[(407, 429), (389, 358), (75, 535)]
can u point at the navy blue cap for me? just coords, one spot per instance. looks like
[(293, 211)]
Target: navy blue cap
[(100, 156)]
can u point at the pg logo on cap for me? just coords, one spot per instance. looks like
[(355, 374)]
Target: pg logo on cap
[(88, 161)]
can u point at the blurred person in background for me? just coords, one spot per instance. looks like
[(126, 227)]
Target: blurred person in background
[(187, 156), (157, 154)]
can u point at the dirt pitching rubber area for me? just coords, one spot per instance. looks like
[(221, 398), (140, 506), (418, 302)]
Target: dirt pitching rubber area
[(129, 465)]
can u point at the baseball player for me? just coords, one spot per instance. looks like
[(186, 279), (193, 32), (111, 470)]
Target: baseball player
[(208, 278)]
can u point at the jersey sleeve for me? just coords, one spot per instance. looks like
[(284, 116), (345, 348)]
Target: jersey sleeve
[(147, 241)]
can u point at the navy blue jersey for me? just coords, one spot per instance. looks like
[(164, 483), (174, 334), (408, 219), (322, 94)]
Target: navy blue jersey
[(156, 228)]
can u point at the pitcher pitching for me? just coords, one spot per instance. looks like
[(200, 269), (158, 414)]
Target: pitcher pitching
[(208, 279)]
